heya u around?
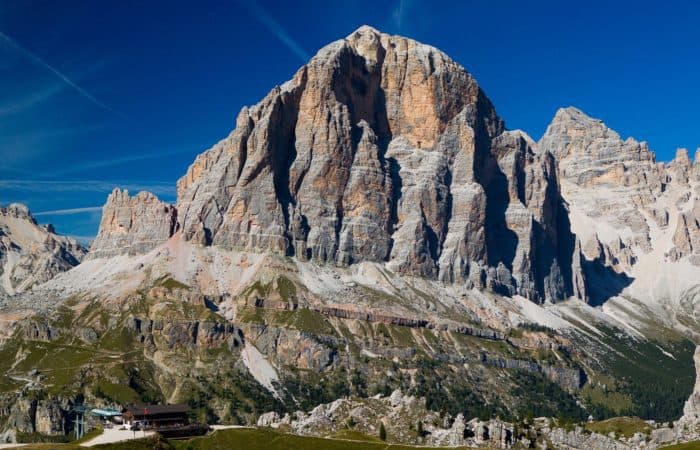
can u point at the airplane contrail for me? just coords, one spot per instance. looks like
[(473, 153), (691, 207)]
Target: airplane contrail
[(116, 161), (8, 42), (275, 28), (65, 212)]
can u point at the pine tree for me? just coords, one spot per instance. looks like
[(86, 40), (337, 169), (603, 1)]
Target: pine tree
[(382, 431)]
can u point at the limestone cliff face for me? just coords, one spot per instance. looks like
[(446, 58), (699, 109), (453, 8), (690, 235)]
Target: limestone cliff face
[(624, 204), (603, 175), (132, 225), (686, 237), (29, 253), (590, 153), (383, 149)]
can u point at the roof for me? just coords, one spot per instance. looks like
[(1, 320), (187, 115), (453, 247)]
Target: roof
[(143, 410), (106, 412)]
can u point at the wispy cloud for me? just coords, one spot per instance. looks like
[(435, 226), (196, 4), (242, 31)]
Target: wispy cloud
[(398, 14), (41, 134), (30, 100), (10, 44), (401, 15), (41, 94), (160, 188), (24, 148), (66, 212), (91, 165), (275, 28)]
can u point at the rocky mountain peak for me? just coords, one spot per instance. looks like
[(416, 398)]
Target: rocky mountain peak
[(680, 168), (18, 211), (378, 149), (383, 149), (682, 157), (571, 114), (29, 253), (590, 153), (132, 225)]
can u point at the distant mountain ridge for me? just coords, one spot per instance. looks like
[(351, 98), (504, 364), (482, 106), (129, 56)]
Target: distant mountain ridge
[(31, 254)]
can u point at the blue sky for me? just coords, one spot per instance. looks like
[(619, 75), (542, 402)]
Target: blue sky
[(101, 94)]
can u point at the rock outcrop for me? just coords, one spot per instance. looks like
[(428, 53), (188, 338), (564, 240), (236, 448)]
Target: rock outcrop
[(132, 225), (29, 415), (180, 334), (687, 428), (31, 254), (691, 410), (399, 413), (295, 348)]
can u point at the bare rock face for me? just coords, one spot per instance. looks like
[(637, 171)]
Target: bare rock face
[(50, 418), (22, 416), (535, 239), (132, 225), (624, 205), (384, 149), (680, 169), (29, 415), (31, 254), (691, 410), (590, 153), (603, 175), (686, 237)]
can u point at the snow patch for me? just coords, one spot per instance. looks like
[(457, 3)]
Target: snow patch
[(260, 368), (539, 314)]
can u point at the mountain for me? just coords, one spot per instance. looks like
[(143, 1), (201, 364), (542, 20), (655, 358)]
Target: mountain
[(382, 149), (31, 254), (371, 227)]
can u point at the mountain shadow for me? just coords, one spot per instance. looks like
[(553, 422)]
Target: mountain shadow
[(603, 282)]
